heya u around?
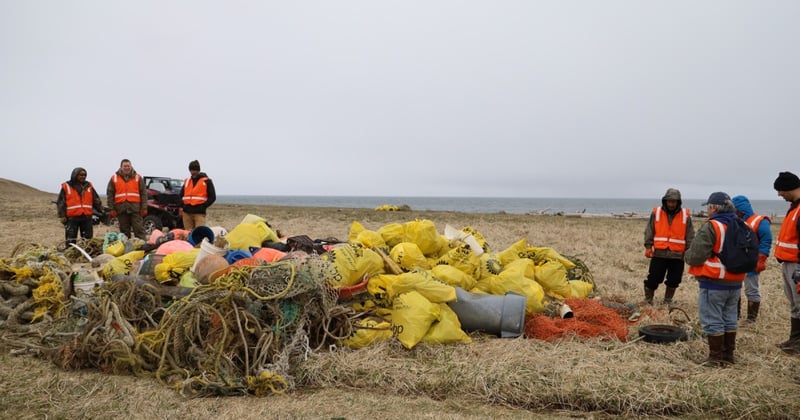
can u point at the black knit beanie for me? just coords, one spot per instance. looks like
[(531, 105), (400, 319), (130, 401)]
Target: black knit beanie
[(194, 165), (786, 181)]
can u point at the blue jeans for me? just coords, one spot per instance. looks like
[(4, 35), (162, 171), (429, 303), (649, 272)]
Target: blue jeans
[(717, 310), (751, 288)]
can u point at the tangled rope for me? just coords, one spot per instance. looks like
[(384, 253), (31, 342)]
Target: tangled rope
[(245, 333)]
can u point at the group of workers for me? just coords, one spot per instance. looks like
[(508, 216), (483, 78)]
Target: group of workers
[(126, 193), (670, 241)]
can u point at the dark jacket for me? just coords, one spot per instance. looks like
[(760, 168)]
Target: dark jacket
[(649, 230), (703, 248), (61, 201), (211, 193), (126, 207)]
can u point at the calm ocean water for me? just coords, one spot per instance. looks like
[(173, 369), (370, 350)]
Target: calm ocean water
[(492, 205)]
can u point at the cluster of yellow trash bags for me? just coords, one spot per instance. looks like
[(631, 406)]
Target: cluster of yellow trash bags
[(410, 301), (413, 302)]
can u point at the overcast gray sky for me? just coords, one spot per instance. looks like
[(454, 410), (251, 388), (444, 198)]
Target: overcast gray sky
[(406, 98)]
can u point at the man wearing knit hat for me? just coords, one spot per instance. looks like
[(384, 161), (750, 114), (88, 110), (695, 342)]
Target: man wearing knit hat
[(787, 253), (197, 195)]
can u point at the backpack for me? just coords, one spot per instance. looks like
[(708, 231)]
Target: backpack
[(739, 251)]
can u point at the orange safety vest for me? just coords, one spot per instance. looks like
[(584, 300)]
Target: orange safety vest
[(713, 267), (126, 190), (754, 221), (78, 204), (668, 235), (786, 247), (196, 194)]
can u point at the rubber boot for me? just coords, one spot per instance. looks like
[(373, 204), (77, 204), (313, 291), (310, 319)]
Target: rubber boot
[(669, 294), (728, 346), (792, 345), (715, 353), (648, 295), (752, 310)]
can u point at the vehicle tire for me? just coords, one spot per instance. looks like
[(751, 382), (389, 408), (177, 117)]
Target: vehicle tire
[(151, 223), (661, 334)]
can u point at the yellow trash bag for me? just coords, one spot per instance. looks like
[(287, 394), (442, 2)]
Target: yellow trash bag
[(420, 281), (392, 234), (514, 252), (514, 278), (461, 258), (121, 264), (453, 276), (408, 256), (245, 235), (369, 331), (355, 229), (173, 266), (447, 330), (489, 265), (412, 316), (116, 248), (424, 234), (370, 238), (351, 263), (553, 277), (380, 286), (580, 288), (540, 255), (478, 237)]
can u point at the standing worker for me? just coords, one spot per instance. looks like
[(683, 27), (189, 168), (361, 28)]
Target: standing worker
[(127, 198), (761, 225), (75, 203), (197, 195), (668, 234), (787, 252), (720, 290)]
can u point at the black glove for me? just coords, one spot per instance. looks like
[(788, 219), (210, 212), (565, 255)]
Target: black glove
[(796, 275)]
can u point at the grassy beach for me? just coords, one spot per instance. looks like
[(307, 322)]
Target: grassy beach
[(516, 378)]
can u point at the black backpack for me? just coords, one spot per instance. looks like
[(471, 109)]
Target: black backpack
[(739, 251)]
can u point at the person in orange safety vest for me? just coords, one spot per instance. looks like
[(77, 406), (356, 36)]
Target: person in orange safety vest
[(197, 195), (76, 203), (127, 198), (668, 234), (719, 289), (787, 252)]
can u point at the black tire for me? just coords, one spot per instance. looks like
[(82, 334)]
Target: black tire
[(661, 334), (151, 223)]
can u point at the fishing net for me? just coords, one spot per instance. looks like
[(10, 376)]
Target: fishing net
[(590, 319), (245, 333)]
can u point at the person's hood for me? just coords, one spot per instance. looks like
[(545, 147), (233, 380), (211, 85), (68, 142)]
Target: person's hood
[(725, 217), (671, 194), (200, 175), (73, 179), (743, 206)]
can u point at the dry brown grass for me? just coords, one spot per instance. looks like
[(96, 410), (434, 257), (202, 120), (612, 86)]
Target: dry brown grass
[(488, 378)]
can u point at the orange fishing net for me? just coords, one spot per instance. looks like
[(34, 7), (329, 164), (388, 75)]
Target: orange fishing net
[(590, 319)]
